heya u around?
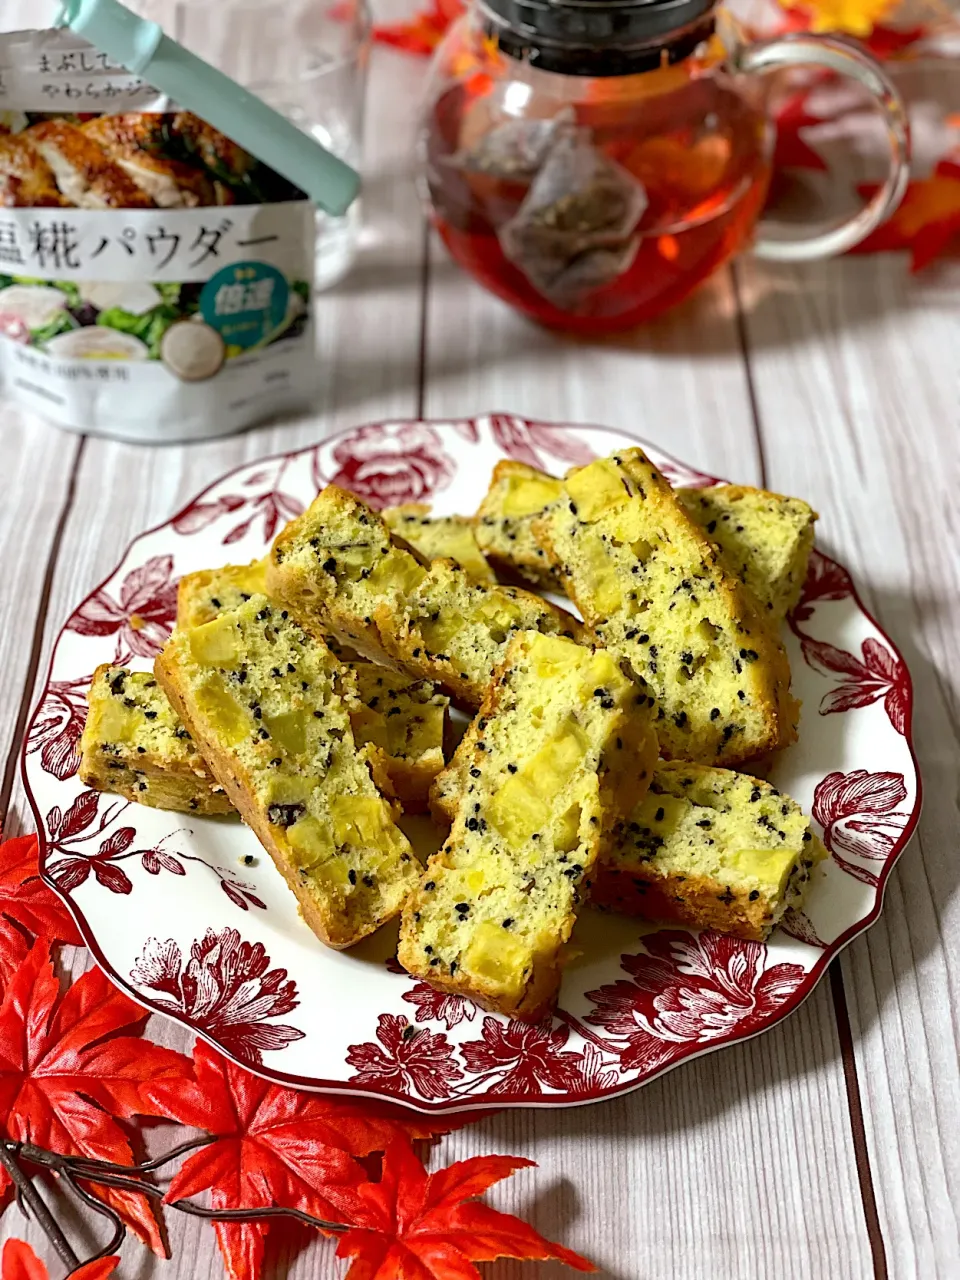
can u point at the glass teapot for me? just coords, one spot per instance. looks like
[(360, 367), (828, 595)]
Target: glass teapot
[(593, 162)]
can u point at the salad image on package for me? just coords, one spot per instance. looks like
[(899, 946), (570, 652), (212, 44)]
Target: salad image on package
[(155, 278)]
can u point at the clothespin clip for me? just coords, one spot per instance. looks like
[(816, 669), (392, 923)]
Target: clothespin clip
[(142, 47)]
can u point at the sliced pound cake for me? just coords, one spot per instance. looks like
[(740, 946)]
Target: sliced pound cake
[(764, 538), (406, 721), (556, 743), (518, 494), (338, 567), (709, 848), (406, 724), (204, 595), (134, 744), (440, 538), (705, 847), (269, 707), (652, 589)]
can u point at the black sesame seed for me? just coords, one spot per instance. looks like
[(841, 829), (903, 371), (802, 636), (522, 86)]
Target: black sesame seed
[(352, 876)]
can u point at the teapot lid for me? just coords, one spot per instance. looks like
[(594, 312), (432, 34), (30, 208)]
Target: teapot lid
[(599, 37)]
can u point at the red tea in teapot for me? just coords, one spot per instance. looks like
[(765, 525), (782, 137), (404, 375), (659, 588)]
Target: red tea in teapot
[(600, 213)]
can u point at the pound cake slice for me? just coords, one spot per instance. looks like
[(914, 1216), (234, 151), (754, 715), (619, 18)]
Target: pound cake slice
[(517, 495), (653, 590), (557, 750), (706, 847), (406, 724), (134, 745), (338, 567), (269, 707), (764, 538), (440, 538), (405, 721), (709, 848)]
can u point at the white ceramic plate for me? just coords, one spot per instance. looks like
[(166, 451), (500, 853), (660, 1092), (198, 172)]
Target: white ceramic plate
[(175, 918)]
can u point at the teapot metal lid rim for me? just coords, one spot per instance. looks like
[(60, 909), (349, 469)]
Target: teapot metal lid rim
[(595, 38)]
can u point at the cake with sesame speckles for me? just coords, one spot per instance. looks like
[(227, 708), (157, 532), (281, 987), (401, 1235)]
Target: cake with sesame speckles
[(560, 746), (440, 538), (765, 539), (339, 567), (653, 590), (135, 745), (711, 849), (269, 707), (406, 722)]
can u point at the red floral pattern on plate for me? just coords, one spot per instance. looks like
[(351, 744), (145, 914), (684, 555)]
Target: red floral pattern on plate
[(859, 815), (439, 1006), (389, 463), (825, 580), (679, 996), (523, 1059), (70, 866), (58, 726), (528, 441), (689, 989), (411, 1058), (226, 990), (880, 674), (141, 619)]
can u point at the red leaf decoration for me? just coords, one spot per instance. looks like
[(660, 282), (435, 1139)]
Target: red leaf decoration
[(424, 31), (111, 878), (67, 1069), (791, 151), (21, 1263), (271, 1146), (927, 221), (24, 897), (415, 1226)]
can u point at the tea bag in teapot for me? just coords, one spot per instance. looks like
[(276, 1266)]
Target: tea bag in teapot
[(515, 150), (576, 229)]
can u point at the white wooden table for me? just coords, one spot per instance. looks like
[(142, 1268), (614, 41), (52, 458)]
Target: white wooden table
[(829, 1147)]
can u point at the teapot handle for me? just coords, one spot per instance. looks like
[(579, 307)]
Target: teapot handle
[(847, 59)]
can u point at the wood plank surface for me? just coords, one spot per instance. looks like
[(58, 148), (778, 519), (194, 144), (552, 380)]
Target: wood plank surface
[(822, 1149)]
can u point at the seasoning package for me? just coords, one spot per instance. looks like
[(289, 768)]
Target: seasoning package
[(155, 278)]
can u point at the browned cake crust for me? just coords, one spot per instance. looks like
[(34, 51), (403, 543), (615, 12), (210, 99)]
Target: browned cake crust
[(134, 746), (619, 757), (338, 566), (336, 927), (696, 579)]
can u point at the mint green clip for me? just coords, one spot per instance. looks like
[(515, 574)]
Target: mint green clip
[(143, 48)]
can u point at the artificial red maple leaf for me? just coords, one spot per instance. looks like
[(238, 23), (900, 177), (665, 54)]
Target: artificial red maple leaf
[(927, 221), (21, 1263), (272, 1146), (791, 151), (424, 31), (66, 1072), (412, 1225), (27, 904)]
